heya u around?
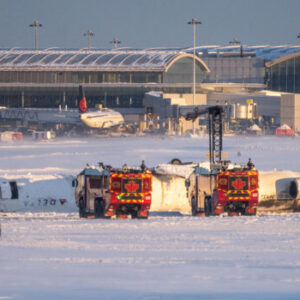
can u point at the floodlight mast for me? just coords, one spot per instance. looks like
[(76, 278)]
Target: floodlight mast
[(89, 34), (237, 42), (116, 42), (194, 22), (36, 25), (234, 42)]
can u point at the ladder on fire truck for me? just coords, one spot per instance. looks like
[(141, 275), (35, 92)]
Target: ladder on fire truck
[(215, 131)]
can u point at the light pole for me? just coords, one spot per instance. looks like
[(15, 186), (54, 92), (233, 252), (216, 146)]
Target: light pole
[(194, 22), (89, 34), (115, 42), (236, 42), (36, 25)]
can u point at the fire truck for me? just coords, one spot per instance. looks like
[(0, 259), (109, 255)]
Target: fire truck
[(107, 192), (224, 187)]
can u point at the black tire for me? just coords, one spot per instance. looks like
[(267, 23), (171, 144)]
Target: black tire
[(99, 210), (207, 206), (81, 208), (176, 161), (249, 214), (134, 215), (194, 207)]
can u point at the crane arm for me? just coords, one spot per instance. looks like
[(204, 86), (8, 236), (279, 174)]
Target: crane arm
[(215, 129)]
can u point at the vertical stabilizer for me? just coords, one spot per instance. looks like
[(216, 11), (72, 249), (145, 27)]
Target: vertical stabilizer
[(82, 102)]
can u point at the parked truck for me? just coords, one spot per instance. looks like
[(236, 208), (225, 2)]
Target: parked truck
[(232, 191), (224, 187), (107, 192)]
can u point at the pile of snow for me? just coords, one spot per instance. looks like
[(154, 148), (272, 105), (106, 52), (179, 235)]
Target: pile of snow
[(284, 126), (254, 127), (175, 170)]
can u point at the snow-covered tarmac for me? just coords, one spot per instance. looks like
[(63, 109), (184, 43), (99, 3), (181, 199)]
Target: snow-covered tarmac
[(69, 156), (169, 256), (52, 256)]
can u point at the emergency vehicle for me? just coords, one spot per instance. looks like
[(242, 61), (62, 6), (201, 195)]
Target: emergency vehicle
[(104, 193), (224, 187), (232, 191)]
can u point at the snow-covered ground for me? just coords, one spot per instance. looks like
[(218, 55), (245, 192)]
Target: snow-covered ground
[(165, 257), (169, 256), (69, 156)]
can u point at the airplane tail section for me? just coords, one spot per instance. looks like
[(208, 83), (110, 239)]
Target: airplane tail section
[(82, 102)]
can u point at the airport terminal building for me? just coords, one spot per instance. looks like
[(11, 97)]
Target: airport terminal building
[(284, 73), (114, 78), (120, 78)]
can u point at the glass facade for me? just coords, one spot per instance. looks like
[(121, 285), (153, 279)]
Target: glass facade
[(118, 78), (285, 76), (116, 99), (182, 71), (53, 77)]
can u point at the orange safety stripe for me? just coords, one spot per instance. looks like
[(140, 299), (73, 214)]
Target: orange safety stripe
[(238, 198), (131, 200), (238, 192), (227, 173), (131, 194), (133, 176)]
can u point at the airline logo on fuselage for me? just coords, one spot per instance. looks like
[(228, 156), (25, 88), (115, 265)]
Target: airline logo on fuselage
[(83, 105)]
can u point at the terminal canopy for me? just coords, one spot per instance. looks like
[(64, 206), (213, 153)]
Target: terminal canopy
[(116, 60)]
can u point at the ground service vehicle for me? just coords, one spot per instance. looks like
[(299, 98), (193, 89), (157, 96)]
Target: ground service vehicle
[(225, 188), (110, 192)]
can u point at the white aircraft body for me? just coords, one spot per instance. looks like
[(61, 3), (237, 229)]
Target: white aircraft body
[(49, 195), (97, 119), (102, 119)]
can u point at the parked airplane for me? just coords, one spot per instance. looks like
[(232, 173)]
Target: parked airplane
[(101, 119)]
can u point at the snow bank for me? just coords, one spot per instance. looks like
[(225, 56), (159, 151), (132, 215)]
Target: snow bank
[(169, 194), (184, 171)]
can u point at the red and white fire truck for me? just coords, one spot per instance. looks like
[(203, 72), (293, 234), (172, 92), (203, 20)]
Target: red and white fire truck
[(224, 188), (232, 191), (114, 192)]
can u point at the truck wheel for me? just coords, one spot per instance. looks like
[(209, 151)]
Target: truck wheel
[(99, 208), (250, 213), (176, 161), (81, 208), (194, 207), (134, 215), (207, 206), (143, 217)]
